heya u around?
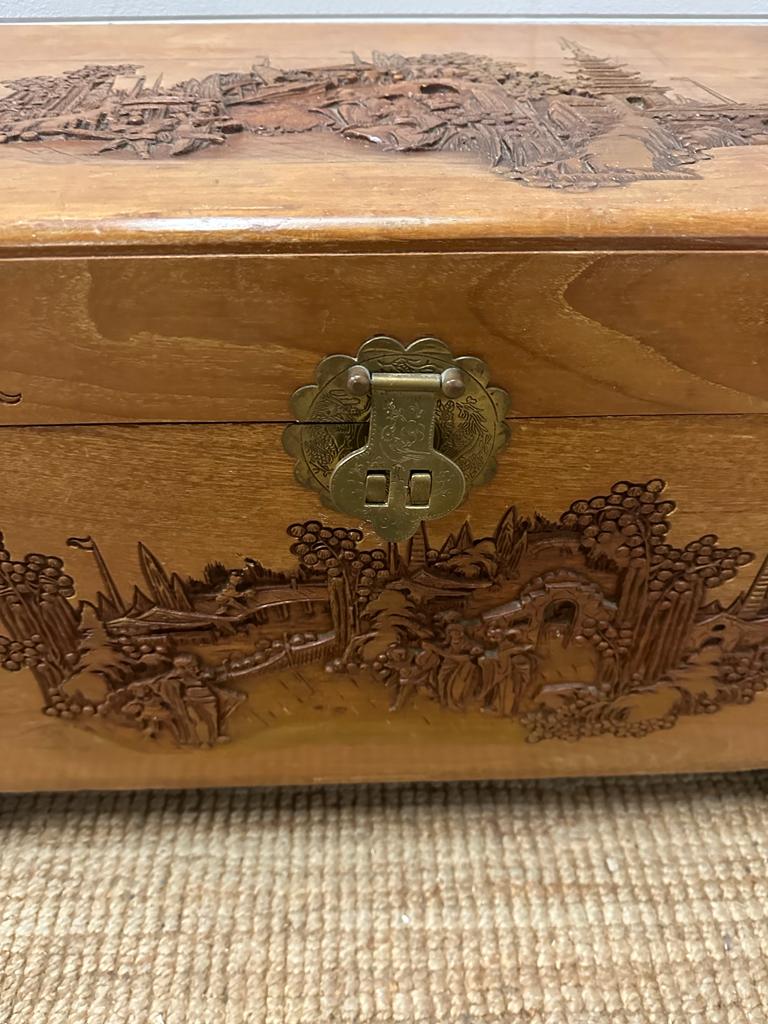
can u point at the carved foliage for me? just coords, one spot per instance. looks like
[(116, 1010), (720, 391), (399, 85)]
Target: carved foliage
[(592, 624)]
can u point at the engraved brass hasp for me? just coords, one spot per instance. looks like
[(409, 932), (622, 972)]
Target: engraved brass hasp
[(397, 436)]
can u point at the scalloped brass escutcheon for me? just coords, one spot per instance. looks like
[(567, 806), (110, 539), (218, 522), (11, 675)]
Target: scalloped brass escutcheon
[(397, 434)]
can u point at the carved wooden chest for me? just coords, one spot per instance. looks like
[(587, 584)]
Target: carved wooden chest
[(381, 402)]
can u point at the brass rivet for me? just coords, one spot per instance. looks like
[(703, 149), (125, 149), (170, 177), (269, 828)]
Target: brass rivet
[(452, 382), (358, 380)]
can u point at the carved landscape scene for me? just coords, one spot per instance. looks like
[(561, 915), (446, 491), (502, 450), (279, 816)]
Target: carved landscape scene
[(598, 124), (592, 624)]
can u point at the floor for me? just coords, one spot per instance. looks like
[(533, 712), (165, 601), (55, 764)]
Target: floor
[(568, 902)]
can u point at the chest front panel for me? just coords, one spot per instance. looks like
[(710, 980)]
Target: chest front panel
[(176, 609)]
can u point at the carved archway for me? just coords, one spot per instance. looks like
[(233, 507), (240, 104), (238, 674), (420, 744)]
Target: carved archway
[(557, 589)]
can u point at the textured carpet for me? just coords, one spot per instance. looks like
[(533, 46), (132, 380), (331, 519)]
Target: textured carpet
[(574, 902)]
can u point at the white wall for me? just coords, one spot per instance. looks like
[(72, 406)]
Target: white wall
[(93, 9)]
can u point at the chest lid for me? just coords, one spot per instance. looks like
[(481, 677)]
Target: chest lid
[(194, 216), (192, 137)]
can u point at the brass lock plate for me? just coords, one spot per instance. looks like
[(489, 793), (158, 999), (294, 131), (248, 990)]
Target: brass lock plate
[(397, 435)]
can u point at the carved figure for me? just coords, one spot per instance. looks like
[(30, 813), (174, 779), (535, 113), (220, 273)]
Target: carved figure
[(180, 700), (455, 673), (508, 672)]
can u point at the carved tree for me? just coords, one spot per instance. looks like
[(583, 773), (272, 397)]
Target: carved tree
[(680, 580), (392, 616), (41, 623), (511, 541), (662, 587), (352, 575), (478, 561)]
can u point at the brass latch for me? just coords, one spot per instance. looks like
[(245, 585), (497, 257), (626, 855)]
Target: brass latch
[(397, 435)]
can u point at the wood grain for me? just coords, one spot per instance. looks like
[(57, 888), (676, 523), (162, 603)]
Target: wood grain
[(230, 338), (194, 493), (157, 315), (197, 494), (325, 191)]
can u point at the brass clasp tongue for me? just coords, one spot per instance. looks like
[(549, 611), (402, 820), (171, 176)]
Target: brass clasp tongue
[(398, 478)]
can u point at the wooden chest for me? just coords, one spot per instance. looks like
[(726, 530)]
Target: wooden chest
[(517, 524)]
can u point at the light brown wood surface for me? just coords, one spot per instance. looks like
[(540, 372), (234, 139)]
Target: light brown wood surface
[(319, 191), (196, 494), (230, 338), (158, 313)]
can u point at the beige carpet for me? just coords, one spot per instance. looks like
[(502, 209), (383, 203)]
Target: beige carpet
[(567, 902)]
